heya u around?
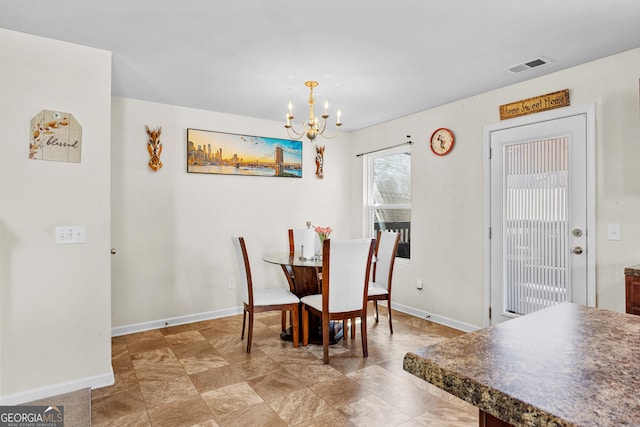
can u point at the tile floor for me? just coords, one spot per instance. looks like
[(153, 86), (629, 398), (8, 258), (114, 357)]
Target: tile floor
[(199, 375)]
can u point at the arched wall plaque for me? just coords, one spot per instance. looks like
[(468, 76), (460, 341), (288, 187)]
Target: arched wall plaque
[(55, 136)]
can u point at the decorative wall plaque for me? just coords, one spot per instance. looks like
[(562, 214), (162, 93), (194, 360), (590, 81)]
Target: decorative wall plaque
[(55, 136), (320, 161), (154, 147), (536, 104)]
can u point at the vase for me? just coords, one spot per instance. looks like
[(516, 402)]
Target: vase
[(322, 239)]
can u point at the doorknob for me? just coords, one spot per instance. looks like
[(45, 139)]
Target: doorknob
[(576, 250), (113, 251)]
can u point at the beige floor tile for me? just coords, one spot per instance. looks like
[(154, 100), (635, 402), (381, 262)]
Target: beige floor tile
[(141, 336), (134, 419), (199, 356), (449, 416), (182, 413), (256, 367), (299, 406), (312, 374), (157, 393), (373, 411), (375, 377), (256, 415), (340, 391), (208, 423), (107, 408), (331, 418), (181, 338), (230, 399), (157, 365), (215, 378), (275, 385), (172, 330), (120, 357), (200, 375), (124, 380)]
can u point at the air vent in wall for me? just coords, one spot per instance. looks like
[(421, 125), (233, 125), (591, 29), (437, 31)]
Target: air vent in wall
[(538, 62)]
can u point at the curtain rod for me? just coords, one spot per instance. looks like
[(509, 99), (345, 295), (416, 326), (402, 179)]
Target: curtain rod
[(382, 149)]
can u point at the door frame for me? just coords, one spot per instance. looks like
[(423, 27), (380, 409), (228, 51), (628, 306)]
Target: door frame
[(589, 111)]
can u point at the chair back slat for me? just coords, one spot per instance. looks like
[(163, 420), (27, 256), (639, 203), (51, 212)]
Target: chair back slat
[(386, 249), (292, 246)]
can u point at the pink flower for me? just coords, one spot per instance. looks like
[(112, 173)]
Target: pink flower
[(323, 232)]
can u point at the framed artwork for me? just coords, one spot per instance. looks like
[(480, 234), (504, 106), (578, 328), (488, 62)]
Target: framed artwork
[(235, 154)]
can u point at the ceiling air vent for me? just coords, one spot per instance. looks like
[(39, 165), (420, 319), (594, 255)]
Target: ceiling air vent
[(538, 62)]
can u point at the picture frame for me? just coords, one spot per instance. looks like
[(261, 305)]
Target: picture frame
[(212, 152)]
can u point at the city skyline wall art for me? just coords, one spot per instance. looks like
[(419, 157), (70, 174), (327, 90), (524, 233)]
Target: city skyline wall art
[(212, 152)]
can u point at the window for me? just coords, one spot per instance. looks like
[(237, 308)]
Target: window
[(388, 205)]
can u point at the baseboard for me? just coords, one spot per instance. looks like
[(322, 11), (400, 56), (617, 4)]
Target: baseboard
[(216, 314), (461, 326), (96, 381), (173, 321)]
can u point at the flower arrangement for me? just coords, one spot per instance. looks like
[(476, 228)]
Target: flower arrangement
[(323, 233)]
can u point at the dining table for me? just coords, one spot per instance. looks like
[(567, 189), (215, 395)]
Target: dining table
[(304, 276)]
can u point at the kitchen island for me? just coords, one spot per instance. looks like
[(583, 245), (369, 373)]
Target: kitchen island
[(566, 365)]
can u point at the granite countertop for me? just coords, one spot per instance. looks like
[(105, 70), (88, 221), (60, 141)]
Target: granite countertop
[(567, 365), (634, 270)]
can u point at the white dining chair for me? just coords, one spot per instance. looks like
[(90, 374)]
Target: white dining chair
[(261, 300), (296, 238), (380, 285), (345, 272)]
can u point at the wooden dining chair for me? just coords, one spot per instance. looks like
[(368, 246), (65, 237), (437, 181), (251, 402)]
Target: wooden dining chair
[(296, 237), (261, 300), (345, 271), (380, 286)]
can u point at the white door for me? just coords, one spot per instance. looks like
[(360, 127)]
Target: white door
[(539, 216)]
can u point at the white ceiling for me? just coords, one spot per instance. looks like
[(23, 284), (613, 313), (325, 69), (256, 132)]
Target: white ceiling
[(375, 60)]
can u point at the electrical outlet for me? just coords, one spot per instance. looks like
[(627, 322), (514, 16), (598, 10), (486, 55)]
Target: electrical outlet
[(232, 282), (613, 232)]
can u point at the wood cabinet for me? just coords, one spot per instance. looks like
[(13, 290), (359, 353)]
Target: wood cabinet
[(632, 289)]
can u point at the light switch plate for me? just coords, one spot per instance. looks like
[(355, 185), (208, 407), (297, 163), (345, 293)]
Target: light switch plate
[(71, 234), (614, 232)]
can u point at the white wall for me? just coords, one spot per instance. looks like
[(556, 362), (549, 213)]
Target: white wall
[(447, 191), (172, 229), (55, 299)]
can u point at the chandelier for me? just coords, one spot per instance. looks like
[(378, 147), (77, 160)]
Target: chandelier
[(312, 127)]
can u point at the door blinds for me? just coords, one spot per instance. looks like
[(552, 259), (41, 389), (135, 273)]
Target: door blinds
[(535, 247)]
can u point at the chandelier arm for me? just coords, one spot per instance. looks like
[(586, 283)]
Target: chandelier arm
[(324, 126), (296, 136), (294, 130), (331, 137)]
